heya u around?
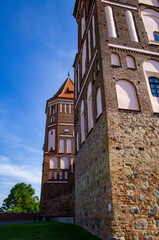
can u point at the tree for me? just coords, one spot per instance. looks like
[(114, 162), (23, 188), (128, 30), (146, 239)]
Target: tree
[(21, 199)]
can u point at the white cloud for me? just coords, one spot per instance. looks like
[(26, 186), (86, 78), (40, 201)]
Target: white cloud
[(24, 173)]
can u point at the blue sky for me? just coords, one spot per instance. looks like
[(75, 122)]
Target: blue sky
[(38, 43)]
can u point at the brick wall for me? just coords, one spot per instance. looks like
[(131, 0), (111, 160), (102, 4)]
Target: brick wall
[(18, 216), (116, 186)]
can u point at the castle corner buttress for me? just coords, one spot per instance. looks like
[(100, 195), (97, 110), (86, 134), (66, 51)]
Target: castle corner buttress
[(117, 118)]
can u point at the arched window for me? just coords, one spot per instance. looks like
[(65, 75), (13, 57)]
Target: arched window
[(51, 140), (89, 44), (115, 60), (77, 142), (131, 26), (110, 22), (93, 30), (72, 165), (82, 123), (151, 69), (156, 36), (69, 146), (150, 2), (83, 23), (130, 62), (53, 163), (151, 22), (126, 95), (62, 146), (64, 163), (84, 59), (89, 107), (154, 85), (98, 102)]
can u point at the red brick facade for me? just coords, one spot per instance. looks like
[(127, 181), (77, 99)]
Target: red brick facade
[(117, 161), (57, 194)]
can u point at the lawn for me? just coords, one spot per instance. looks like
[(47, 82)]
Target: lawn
[(44, 230)]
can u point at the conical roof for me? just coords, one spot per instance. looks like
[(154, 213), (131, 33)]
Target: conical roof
[(66, 90)]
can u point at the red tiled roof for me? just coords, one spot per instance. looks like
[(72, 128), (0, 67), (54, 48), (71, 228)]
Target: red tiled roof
[(66, 90)]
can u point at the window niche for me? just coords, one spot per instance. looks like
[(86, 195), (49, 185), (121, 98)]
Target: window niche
[(82, 122), (115, 60), (53, 163), (89, 107), (62, 146), (98, 102), (69, 146), (130, 61), (126, 95), (64, 164)]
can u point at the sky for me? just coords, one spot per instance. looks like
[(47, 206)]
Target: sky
[(38, 44)]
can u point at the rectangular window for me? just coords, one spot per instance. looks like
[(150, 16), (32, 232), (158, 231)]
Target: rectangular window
[(78, 78), (52, 120), (56, 108), (60, 107), (49, 110), (51, 140), (69, 108), (93, 29), (53, 109), (65, 108), (84, 59), (60, 175), (50, 175), (77, 142), (72, 165), (83, 23), (66, 175), (89, 44), (55, 175)]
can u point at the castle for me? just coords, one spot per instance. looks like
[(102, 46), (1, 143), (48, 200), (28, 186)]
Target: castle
[(57, 191), (117, 118)]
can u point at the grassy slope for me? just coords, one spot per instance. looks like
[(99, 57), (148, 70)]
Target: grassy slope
[(44, 230)]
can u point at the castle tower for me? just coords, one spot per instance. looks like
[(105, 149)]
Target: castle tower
[(117, 118), (57, 194)]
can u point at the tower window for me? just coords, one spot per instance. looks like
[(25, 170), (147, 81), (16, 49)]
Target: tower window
[(89, 107), (69, 146), (156, 36), (126, 95), (53, 163), (110, 22), (130, 62), (62, 146), (99, 102), (64, 164), (82, 122), (115, 60), (154, 85), (60, 175), (52, 119)]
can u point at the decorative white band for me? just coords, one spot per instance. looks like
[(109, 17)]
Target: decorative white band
[(119, 5), (133, 49)]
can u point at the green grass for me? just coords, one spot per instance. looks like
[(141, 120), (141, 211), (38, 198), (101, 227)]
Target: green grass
[(44, 230)]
